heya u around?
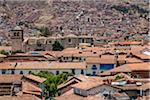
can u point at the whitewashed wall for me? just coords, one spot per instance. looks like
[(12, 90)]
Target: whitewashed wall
[(77, 71), (89, 68)]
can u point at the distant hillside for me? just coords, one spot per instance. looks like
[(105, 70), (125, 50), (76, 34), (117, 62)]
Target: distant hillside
[(104, 17)]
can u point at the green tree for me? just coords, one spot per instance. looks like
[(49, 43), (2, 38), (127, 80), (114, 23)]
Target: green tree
[(45, 31), (17, 51), (4, 52), (52, 81), (57, 46), (118, 77)]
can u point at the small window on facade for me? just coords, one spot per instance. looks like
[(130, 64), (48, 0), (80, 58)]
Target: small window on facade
[(12, 72), (3, 71), (73, 71), (30, 72), (69, 40), (15, 34), (82, 40), (39, 45), (57, 72), (73, 58), (94, 73), (21, 72), (82, 71), (50, 41), (80, 59), (67, 58), (94, 67)]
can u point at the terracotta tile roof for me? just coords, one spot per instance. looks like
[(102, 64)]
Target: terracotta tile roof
[(144, 80), (67, 83), (35, 78), (129, 68), (104, 59), (82, 77), (134, 87), (145, 97), (32, 65), (145, 86), (137, 49), (30, 88), (126, 77), (2, 56), (23, 97), (79, 78), (67, 65), (10, 78), (42, 65), (133, 60), (127, 43), (86, 54), (93, 60), (107, 59), (86, 85), (121, 57), (6, 48), (139, 66), (142, 56), (7, 65), (33, 93), (71, 96)]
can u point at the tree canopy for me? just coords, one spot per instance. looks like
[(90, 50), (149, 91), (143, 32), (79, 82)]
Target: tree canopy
[(52, 81), (4, 52), (57, 46), (45, 31)]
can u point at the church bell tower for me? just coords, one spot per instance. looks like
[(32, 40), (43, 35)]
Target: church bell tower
[(16, 38)]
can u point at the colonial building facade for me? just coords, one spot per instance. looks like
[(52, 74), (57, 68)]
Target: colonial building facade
[(45, 43)]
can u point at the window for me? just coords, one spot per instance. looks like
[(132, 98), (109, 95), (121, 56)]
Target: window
[(57, 72), (94, 67), (80, 59), (73, 58), (12, 72), (69, 40), (30, 72), (16, 34), (73, 71), (76, 58), (3, 71), (82, 71), (94, 73), (67, 58), (82, 40), (21, 72), (50, 42), (39, 44)]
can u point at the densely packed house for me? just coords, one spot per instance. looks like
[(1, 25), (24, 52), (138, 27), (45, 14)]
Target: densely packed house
[(84, 59), (18, 41), (119, 86), (21, 87)]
